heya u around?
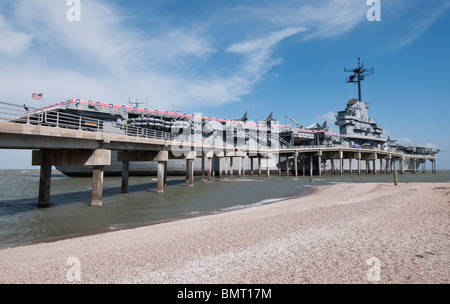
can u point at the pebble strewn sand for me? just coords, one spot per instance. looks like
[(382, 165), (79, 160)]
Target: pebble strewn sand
[(326, 237)]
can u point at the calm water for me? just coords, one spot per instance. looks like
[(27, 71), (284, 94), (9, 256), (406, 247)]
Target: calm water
[(70, 214)]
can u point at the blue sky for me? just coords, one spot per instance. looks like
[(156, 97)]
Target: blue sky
[(222, 58)]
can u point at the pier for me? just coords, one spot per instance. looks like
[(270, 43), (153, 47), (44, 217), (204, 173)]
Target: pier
[(70, 140)]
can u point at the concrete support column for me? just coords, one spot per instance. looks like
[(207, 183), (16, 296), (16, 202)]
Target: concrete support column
[(240, 168), (45, 181), (259, 166), (251, 166), (279, 164), (303, 164), (319, 164), (341, 163), (311, 165), (287, 165), (243, 166), (165, 174), (296, 165), (350, 165), (209, 169), (97, 186), (203, 168), (160, 177), (268, 166), (190, 172), (231, 167), (221, 168), (367, 166), (226, 166), (46, 158), (187, 171), (375, 164), (125, 176), (402, 165), (333, 168), (359, 166)]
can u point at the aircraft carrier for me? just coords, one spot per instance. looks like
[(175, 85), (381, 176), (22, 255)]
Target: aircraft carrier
[(356, 129)]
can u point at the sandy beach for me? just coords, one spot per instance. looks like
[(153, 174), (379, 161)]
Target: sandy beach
[(345, 233)]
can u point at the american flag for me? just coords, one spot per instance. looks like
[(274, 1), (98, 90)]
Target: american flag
[(37, 96)]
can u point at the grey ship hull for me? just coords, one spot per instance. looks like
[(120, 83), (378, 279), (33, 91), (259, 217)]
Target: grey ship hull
[(177, 167)]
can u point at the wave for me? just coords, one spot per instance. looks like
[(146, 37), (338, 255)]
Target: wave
[(260, 203)]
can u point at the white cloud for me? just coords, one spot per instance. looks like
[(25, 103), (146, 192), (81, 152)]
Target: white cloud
[(103, 57), (329, 116), (420, 27), (12, 42)]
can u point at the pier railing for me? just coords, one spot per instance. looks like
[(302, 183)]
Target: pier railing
[(29, 115)]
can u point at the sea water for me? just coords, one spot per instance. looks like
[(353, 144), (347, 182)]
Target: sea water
[(70, 213)]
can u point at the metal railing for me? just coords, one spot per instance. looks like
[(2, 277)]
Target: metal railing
[(53, 118)]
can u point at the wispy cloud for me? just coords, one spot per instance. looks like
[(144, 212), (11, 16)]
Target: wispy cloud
[(420, 27), (14, 42), (104, 57)]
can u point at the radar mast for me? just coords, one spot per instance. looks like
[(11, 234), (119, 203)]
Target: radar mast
[(359, 74)]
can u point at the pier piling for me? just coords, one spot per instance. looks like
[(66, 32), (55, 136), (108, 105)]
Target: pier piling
[(97, 186)]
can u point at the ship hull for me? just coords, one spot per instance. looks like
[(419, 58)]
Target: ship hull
[(177, 167)]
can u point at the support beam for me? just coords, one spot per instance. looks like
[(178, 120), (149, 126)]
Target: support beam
[(221, 168), (231, 167), (279, 164), (287, 165), (160, 177), (259, 166), (226, 166), (303, 163), (203, 168), (45, 181), (240, 174), (374, 164), (125, 176), (190, 172), (165, 174), (209, 169), (187, 171), (46, 158), (97, 186), (319, 164), (296, 164)]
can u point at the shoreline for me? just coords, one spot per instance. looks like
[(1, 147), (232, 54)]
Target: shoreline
[(326, 236)]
